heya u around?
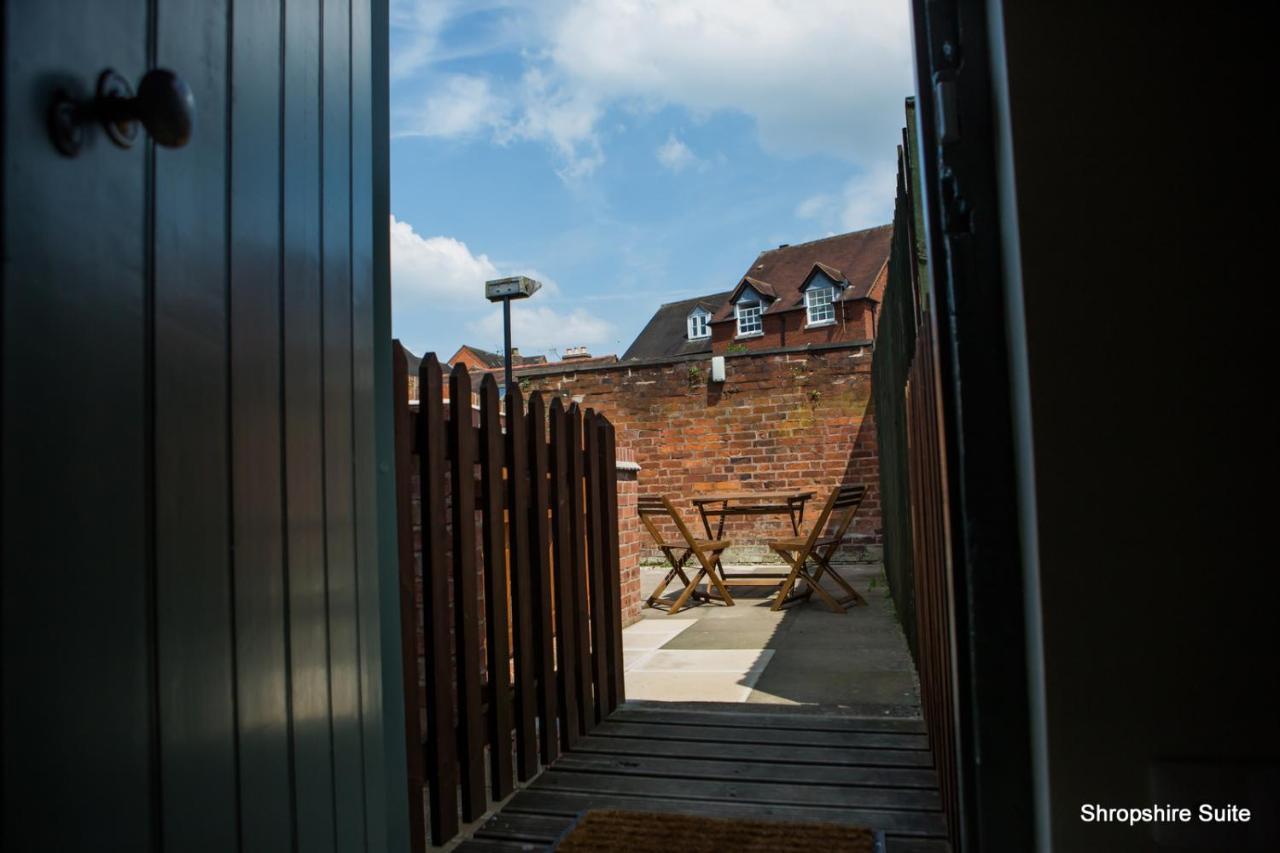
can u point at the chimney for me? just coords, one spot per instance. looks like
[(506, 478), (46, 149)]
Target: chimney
[(575, 353), (515, 353)]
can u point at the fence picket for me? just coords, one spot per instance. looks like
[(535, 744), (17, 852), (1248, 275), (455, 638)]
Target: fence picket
[(465, 598), (563, 559), (578, 570), (441, 747), (616, 689), (409, 626), (522, 594), (498, 644), (542, 587), (595, 507)]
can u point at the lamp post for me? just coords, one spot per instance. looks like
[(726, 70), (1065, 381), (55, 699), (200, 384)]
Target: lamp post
[(504, 290)]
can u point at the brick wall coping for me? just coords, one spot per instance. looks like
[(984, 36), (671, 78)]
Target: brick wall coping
[(561, 367), (624, 465)]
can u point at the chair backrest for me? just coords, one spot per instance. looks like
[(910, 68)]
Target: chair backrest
[(842, 505), (657, 506)]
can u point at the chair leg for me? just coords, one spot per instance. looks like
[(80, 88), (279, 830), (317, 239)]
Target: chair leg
[(688, 591), (712, 580), (677, 569), (785, 589), (836, 606), (824, 566)]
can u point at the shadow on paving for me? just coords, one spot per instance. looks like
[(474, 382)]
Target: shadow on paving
[(803, 658)]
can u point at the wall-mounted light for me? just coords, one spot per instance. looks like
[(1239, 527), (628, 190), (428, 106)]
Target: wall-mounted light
[(717, 368)]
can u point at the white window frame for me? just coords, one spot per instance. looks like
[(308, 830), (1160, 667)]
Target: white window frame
[(740, 313), (811, 303), (698, 325)]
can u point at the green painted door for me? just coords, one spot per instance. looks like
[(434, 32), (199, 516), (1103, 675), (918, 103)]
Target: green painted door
[(191, 615)]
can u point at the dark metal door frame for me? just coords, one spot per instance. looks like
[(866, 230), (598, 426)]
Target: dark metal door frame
[(953, 54)]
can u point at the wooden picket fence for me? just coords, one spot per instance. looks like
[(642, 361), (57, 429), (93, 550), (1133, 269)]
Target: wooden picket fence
[(518, 517)]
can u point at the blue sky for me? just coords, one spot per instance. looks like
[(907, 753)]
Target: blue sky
[(626, 153)]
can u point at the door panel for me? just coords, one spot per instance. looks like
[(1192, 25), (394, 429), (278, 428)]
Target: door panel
[(304, 430), (194, 608), (190, 529), (76, 536)]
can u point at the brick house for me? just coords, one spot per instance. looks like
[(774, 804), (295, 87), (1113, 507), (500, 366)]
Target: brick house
[(479, 359), (821, 292)]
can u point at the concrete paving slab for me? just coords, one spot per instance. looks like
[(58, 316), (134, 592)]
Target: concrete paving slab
[(739, 661), (855, 663), (690, 686)]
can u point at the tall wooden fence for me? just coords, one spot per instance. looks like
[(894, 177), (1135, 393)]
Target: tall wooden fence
[(511, 619), (913, 475)]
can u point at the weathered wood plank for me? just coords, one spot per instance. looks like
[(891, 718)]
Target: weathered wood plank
[(836, 756), (774, 721), (599, 602), (542, 586), (487, 845), (410, 625), (710, 768), (743, 734), (551, 802), (898, 844), (523, 592), (522, 827), (441, 743), (498, 717), (617, 692), (470, 721), (565, 622), (587, 718), (768, 793)]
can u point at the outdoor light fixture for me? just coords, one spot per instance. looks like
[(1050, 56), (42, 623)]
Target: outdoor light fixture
[(504, 290), (717, 368)]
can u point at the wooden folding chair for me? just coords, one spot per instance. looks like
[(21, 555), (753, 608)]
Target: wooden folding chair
[(707, 552), (841, 507)]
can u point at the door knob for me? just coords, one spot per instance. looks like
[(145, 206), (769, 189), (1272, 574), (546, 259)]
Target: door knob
[(163, 105)]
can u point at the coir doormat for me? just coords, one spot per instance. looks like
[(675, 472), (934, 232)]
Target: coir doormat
[(602, 830)]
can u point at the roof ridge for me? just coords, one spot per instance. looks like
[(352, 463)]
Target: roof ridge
[(823, 239)]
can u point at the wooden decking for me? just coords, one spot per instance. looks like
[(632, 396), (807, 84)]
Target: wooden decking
[(872, 772)]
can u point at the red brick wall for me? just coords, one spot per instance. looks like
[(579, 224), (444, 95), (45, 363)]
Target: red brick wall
[(854, 323), (629, 531), (800, 419)]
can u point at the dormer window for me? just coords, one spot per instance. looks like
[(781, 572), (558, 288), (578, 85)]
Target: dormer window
[(819, 303), (747, 313), (699, 324)]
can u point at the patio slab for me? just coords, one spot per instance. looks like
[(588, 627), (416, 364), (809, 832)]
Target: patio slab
[(803, 658)]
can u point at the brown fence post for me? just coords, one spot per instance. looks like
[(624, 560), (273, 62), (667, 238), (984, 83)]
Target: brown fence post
[(565, 610), (408, 598), (498, 645), (616, 690), (542, 588), (578, 569), (442, 747), (596, 509), (466, 631), (522, 591)]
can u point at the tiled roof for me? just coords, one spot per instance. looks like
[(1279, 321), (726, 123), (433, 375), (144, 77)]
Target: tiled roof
[(667, 333), (857, 258)]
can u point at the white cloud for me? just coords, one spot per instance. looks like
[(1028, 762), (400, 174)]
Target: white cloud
[(675, 155), (437, 290), (541, 327), (434, 269), (822, 76), (562, 117), (863, 202), (461, 105)]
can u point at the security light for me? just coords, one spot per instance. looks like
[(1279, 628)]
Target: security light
[(513, 287)]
